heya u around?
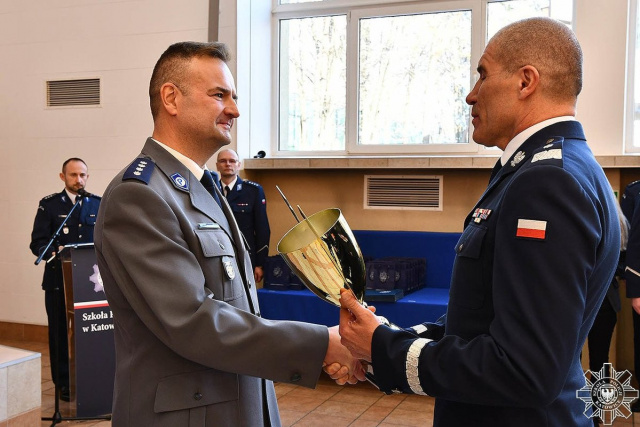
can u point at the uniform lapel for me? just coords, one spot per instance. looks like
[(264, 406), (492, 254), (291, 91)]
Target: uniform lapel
[(237, 236), (199, 196), (234, 193), (568, 129), (201, 199)]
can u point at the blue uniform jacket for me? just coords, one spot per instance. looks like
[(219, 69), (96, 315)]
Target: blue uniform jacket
[(52, 210), (533, 264), (630, 208), (249, 207)]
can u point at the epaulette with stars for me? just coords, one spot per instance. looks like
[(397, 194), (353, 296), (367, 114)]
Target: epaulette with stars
[(550, 153), (255, 184), (50, 196), (140, 170), (633, 184)]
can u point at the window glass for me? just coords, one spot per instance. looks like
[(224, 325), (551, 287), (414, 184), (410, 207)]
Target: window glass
[(298, 1), (375, 77), (501, 13), (412, 86), (312, 83)]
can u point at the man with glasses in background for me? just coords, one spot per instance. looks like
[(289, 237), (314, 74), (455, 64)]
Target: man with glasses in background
[(249, 207)]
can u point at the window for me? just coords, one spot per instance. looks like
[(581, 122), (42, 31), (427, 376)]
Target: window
[(366, 76)]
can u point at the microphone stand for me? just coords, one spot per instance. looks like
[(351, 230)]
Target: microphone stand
[(57, 416)]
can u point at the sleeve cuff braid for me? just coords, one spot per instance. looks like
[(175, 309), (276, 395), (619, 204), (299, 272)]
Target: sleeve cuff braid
[(413, 359)]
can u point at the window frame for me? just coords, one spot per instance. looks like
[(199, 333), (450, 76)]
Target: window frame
[(354, 10)]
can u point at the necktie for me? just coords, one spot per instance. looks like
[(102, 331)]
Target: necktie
[(209, 184), (227, 190)]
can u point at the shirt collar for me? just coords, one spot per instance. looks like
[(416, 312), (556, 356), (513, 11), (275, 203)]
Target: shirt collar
[(520, 138), (195, 169), (231, 184), (70, 195)]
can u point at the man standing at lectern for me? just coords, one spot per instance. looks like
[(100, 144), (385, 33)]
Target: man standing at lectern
[(52, 211)]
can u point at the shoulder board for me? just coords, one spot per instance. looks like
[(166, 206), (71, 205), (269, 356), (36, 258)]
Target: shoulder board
[(50, 196), (140, 170), (550, 153), (255, 184), (630, 185)]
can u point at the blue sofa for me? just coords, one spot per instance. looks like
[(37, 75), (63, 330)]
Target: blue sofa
[(426, 304)]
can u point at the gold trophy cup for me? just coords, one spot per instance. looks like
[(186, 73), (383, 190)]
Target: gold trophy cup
[(322, 251)]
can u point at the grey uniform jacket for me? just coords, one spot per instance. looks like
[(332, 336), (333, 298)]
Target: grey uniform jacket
[(191, 347)]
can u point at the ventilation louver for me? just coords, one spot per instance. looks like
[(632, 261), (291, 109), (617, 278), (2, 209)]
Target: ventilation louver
[(67, 93), (403, 192)]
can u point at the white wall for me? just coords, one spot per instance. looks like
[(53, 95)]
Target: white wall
[(115, 40), (601, 28), (119, 41)]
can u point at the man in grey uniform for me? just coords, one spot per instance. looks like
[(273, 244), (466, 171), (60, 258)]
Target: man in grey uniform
[(191, 347)]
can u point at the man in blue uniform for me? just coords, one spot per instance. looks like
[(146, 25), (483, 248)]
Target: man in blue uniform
[(52, 211), (249, 206), (534, 261), (630, 205)]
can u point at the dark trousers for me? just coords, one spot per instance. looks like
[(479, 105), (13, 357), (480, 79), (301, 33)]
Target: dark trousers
[(58, 344), (636, 342), (600, 336)]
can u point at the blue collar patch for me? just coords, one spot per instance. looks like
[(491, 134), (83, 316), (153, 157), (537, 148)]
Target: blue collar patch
[(180, 181)]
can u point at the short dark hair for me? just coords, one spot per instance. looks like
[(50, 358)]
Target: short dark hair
[(548, 45), (72, 159), (172, 66)]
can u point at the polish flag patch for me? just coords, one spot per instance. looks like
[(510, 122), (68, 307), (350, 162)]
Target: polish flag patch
[(531, 229)]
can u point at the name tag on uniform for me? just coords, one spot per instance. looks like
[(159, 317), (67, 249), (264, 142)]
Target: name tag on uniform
[(208, 226)]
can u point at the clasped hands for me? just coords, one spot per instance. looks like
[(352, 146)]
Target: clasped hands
[(350, 341)]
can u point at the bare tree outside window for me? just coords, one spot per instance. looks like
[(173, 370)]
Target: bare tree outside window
[(313, 64), (414, 75), (413, 67)]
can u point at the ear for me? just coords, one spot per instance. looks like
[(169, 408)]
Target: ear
[(529, 80), (62, 176), (168, 95)]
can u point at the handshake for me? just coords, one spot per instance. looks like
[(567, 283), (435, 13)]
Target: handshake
[(350, 341)]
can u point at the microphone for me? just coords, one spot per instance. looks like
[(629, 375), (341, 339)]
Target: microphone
[(83, 193), (261, 154)]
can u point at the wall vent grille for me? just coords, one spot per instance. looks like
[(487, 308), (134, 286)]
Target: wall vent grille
[(403, 192), (71, 93)]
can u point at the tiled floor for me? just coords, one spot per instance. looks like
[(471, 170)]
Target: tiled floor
[(359, 406)]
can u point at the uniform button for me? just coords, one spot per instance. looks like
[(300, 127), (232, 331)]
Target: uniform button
[(296, 377), (79, 225), (197, 396)]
